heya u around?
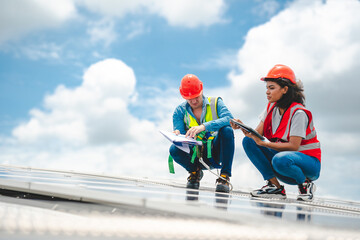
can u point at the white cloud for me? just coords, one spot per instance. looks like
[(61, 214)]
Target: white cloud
[(102, 31), (135, 29), (94, 112), (266, 7), (186, 13), (42, 51), (114, 8), (319, 41), (19, 17), (90, 128), (190, 13)]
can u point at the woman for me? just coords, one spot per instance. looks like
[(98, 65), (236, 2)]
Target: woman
[(292, 153)]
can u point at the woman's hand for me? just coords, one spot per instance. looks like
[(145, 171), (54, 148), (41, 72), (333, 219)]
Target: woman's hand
[(233, 125), (257, 140)]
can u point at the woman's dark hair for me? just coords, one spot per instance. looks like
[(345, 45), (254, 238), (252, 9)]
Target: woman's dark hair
[(294, 93)]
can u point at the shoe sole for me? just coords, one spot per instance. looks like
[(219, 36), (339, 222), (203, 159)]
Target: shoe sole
[(222, 189), (192, 187), (305, 198), (270, 196)]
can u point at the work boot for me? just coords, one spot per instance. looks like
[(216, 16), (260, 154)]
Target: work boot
[(223, 185), (194, 179)]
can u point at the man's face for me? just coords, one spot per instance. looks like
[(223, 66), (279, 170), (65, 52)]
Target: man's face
[(196, 102)]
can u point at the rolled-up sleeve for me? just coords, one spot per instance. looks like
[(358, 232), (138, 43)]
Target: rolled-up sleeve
[(178, 119)]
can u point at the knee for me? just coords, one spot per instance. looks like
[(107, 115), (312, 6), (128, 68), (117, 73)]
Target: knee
[(173, 150), (281, 161), (247, 142)]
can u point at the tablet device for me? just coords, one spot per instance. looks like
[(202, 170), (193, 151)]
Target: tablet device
[(247, 128)]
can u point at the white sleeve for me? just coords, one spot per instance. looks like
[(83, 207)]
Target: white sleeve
[(299, 124), (262, 116)]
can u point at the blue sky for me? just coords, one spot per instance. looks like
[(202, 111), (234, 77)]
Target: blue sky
[(32, 64), (81, 80)]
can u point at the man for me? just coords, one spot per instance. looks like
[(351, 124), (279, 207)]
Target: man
[(208, 119)]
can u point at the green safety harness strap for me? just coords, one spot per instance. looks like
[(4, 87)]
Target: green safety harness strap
[(171, 164), (209, 141), (196, 149)]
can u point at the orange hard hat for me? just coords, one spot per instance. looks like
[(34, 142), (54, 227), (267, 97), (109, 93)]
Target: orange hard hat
[(191, 86), (280, 71)]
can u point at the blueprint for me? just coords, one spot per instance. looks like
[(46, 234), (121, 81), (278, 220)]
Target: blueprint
[(180, 141)]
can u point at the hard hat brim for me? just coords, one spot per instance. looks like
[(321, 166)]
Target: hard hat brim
[(192, 96), (274, 79)]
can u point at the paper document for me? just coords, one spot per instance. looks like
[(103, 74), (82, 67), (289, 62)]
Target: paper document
[(180, 141), (247, 128)]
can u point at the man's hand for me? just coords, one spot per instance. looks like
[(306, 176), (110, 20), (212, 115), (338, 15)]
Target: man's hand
[(195, 130), (177, 132)]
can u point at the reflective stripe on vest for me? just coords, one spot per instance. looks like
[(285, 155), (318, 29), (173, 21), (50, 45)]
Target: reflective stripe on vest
[(309, 146), (211, 114)]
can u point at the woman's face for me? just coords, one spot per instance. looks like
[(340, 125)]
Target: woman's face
[(274, 92)]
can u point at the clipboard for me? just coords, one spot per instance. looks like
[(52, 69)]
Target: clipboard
[(247, 128)]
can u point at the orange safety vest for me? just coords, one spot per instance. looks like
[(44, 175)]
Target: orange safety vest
[(309, 146)]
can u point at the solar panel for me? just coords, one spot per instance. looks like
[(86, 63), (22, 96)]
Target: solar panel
[(125, 201)]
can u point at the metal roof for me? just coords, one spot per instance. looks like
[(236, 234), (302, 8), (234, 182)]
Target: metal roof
[(43, 203)]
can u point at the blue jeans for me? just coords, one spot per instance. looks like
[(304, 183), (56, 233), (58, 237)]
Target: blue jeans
[(288, 166), (222, 152)]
